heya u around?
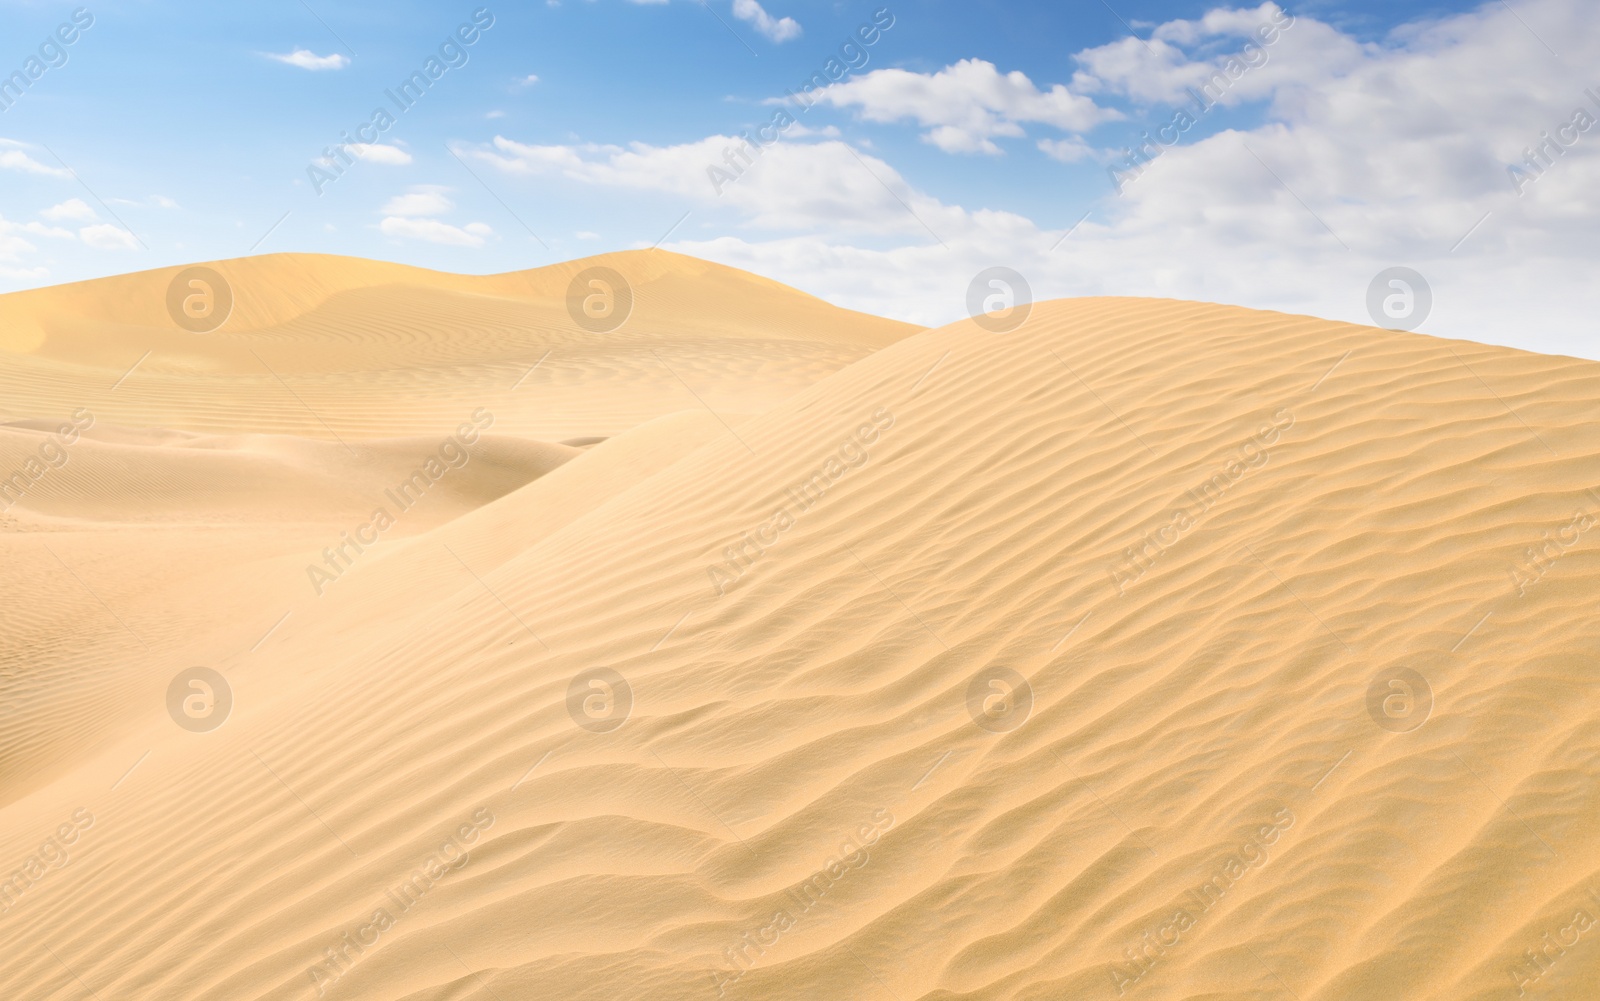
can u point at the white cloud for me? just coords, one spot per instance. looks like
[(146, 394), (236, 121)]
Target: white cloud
[(1256, 49), (436, 231), (798, 131), (529, 80), (105, 236), (40, 229), (13, 248), (413, 216), (308, 60), (72, 208), (16, 159), (160, 201), (1069, 150), (380, 153), (777, 30), (790, 185), (1399, 148), (423, 200), (965, 106)]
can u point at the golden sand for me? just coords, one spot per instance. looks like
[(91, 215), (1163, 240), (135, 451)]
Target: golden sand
[(1153, 649)]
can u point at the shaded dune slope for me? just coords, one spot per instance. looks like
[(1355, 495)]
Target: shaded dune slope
[(1182, 704), (192, 542)]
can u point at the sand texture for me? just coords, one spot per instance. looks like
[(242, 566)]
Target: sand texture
[(1152, 649)]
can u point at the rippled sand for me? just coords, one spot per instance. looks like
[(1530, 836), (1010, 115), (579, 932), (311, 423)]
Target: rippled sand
[(1152, 649)]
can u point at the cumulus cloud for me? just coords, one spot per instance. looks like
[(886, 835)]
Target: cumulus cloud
[(423, 200), (71, 209), (1185, 55), (775, 29), (308, 60), (967, 105), (1364, 155)]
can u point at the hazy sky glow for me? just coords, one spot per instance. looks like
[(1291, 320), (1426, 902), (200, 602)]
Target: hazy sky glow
[(1289, 154)]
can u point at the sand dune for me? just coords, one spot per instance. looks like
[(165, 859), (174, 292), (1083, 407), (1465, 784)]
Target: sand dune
[(1049, 664), (336, 348)]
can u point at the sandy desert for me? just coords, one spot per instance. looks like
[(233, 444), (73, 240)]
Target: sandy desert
[(403, 638)]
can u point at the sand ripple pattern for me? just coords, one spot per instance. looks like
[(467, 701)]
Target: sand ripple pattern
[(1199, 716)]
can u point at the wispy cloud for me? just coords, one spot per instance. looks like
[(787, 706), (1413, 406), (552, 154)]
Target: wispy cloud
[(308, 60), (777, 30), (437, 231), (105, 236), (160, 201), (412, 216), (15, 248), (16, 159), (380, 153), (1069, 150)]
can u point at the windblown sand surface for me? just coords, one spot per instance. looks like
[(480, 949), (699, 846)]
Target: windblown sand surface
[(947, 664)]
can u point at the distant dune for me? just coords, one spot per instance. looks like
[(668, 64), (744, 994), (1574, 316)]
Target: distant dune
[(1152, 649), (322, 346)]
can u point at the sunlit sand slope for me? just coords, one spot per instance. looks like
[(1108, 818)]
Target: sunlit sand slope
[(338, 348), (1050, 664)]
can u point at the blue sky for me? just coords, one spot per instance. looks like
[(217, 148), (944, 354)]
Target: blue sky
[(969, 134)]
